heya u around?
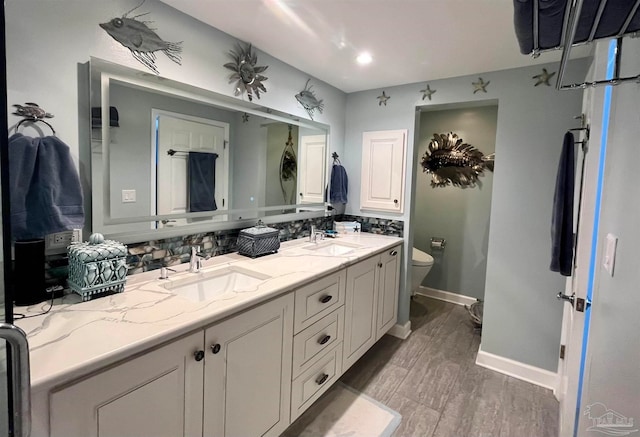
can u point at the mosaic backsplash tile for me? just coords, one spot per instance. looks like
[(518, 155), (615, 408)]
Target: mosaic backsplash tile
[(394, 228)]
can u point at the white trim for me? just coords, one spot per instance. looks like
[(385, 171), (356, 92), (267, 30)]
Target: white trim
[(535, 375), (447, 296), (401, 331)]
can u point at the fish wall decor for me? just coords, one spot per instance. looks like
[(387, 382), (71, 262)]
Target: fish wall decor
[(141, 40), (309, 101), (246, 74), (451, 161)]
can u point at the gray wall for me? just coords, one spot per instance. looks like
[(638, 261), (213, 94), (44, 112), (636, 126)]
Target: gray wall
[(461, 216), (613, 354), (522, 318)]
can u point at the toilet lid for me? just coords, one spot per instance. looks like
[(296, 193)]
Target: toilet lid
[(421, 259)]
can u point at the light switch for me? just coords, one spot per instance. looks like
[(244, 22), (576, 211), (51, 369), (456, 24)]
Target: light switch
[(128, 196), (610, 253)]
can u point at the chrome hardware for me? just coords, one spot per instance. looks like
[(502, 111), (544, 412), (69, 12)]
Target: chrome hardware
[(165, 221), (321, 380), (324, 339), (438, 243), (195, 263), (164, 272), (21, 387), (315, 234), (562, 296), (215, 348), (325, 299), (393, 253), (199, 355)]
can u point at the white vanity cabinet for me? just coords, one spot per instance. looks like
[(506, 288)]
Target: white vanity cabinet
[(371, 305), (247, 376), (156, 394)]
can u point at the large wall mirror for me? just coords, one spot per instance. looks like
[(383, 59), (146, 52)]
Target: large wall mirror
[(170, 159)]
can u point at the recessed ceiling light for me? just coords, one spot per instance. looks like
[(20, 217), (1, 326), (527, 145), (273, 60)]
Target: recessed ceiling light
[(364, 58)]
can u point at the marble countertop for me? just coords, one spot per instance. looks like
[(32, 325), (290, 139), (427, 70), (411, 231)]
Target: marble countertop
[(76, 338)]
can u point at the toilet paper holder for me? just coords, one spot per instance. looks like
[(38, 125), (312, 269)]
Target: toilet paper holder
[(438, 243)]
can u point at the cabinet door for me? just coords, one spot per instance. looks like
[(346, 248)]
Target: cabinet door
[(157, 394), (248, 372), (311, 168), (383, 168), (388, 288), (360, 309)]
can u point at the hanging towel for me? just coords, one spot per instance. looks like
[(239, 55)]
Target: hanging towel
[(202, 181), (46, 196), (562, 219), (339, 185)]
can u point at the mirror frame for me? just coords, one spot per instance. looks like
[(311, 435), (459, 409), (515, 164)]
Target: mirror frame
[(105, 71)]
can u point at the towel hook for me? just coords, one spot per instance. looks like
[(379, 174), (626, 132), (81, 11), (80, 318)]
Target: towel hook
[(335, 157), (32, 113)]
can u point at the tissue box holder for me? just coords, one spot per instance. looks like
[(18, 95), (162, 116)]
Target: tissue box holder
[(257, 241), (97, 269)]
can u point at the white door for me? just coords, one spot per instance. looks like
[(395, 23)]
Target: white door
[(184, 134), (312, 168), (383, 169)]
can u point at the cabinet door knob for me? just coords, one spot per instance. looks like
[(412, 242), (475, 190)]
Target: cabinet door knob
[(393, 253), (215, 348), (380, 265), (322, 379), (199, 355), (326, 298), (324, 339), (395, 201)]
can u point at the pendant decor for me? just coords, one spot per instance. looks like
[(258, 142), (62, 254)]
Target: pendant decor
[(141, 40), (382, 99), (427, 92), (543, 78), (246, 74), (480, 85), (288, 171), (450, 161), (309, 101)]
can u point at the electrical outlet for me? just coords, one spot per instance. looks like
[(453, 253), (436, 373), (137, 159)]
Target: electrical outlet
[(128, 196), (76, 236), (59, 240)]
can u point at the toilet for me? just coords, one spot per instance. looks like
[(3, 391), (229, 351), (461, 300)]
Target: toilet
[(421, 263)]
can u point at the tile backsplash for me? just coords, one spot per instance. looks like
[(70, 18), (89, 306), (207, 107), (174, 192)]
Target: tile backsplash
[(151, 255)]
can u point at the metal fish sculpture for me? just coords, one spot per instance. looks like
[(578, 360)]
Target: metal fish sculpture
[(142, 40), (309, 101), (32, 111), (450, 161)]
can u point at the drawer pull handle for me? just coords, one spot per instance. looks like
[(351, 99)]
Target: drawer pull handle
[(215, 348), (325, 299), (199, 355), (324, 339), (393, 253), (380, 265), (322, 379)]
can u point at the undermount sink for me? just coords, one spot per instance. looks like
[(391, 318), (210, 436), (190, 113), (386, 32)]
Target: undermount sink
[(332, 248), (205, 286)]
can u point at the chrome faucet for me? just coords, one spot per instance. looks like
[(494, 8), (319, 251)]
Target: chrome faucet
[(195, 262), (315, 234)]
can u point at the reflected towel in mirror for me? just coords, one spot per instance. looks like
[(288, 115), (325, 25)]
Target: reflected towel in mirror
[(202, 181)]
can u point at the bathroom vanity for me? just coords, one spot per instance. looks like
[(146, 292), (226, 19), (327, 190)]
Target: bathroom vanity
[(189, 356)]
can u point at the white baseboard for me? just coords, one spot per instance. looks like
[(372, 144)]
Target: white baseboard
[(534, 375), (446, 296), (401, 331)]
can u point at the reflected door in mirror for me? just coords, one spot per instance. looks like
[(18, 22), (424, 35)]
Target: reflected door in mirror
[(312, 168)]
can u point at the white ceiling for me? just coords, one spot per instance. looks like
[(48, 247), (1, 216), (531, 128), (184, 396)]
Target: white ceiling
[(410, 40)]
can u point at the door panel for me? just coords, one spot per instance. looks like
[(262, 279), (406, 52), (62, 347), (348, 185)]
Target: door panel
[(312, 168)]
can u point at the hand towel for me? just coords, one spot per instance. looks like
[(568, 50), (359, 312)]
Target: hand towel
[(202, 181), (339, 186), (46, 196), (562, 218)]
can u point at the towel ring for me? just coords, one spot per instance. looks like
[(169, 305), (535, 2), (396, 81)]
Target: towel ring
[(34, 120)]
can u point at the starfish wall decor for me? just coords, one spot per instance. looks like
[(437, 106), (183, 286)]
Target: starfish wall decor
[(382, 99), (245, 117), (543, 78), (480, 85), (427, 92)]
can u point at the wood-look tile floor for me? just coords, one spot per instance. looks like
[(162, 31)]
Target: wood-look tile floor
[(432, 380)]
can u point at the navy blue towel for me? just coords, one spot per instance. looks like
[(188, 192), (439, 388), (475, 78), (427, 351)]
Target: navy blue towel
[(46, 196), (202, 181), (562, 218), (339, 186)]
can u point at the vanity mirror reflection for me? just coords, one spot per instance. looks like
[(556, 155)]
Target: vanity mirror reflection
[(146, 178)]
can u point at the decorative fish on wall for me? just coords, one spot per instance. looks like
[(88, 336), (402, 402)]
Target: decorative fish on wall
[(452, 161), (309, 101), (142, 40)]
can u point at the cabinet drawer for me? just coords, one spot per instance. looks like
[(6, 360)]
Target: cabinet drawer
[(309, 386), (309, 344), (316, 300)]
